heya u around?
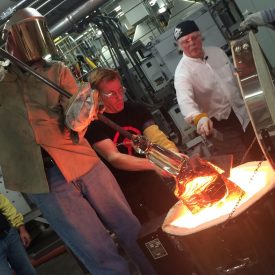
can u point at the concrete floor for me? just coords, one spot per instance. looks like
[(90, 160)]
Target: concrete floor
[(48, 253), (46, 245), (64, 264)]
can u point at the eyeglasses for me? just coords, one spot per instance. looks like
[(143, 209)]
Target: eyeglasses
[(117, 93)]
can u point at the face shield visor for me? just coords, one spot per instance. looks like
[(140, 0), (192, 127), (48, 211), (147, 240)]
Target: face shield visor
[(27, 36)]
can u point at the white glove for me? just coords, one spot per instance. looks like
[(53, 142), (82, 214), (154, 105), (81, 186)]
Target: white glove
[(205, 126), (82, 110), (252, 20)]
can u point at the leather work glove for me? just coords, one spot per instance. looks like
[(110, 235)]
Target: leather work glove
[(82, 110), (205, 126), (154, 134), (252, 21)]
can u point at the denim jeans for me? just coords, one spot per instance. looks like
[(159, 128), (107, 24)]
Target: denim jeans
[(81, 211), (13, 256)]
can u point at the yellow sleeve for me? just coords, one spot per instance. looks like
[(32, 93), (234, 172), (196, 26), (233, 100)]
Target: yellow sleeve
[(198, 117), (91, 64), (10, 212), (154, 134)]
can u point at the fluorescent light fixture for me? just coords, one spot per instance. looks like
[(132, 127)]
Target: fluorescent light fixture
[(118, 8), (47, 57), (253, 94), (80, 36), (162, 9), (120, 14), (57, 39)]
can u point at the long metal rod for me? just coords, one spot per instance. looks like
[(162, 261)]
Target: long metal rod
[(25, 67), (115, 126), (63, 92)]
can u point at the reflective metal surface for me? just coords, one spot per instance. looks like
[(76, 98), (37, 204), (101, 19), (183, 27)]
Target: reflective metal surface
[(258, 91), (27, 31)]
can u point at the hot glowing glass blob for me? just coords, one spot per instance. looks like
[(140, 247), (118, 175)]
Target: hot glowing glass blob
[(245, 182), (199, 184)]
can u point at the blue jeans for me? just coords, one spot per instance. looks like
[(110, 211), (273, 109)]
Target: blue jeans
[(13, 256), (81, 211)]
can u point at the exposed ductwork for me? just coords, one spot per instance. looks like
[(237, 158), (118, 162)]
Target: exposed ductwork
[(72, 18)]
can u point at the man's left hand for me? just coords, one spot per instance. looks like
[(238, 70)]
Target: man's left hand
[(24, 235), (205, 126), (83, 110)]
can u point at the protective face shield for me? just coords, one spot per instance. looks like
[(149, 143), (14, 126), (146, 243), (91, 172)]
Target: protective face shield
[(27, 36)]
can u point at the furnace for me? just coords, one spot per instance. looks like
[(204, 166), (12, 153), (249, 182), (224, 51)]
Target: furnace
[(213, 242), (235, 233)]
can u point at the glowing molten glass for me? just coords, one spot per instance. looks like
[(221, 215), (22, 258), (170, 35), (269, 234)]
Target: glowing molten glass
[(250, 186), (200, 187), (206, 196), (199, 184)]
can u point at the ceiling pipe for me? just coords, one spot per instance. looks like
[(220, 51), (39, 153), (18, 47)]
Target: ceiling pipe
[(7, 12), (71, 19), (55, 7), (44, 3)]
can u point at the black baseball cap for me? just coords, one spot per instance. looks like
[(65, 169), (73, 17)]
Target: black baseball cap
[(185, 28)]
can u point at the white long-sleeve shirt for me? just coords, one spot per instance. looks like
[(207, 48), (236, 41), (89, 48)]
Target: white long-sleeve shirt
[(269, 16), (209, 86)]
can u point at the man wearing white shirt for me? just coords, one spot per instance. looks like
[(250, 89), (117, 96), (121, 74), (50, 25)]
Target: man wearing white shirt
[(208, 93)]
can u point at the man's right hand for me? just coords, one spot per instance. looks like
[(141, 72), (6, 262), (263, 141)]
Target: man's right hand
[(205, 126)]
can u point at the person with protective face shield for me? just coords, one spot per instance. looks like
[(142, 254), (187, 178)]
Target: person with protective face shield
[(57, 169), (208, 93), (261, 18)]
